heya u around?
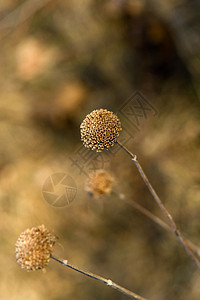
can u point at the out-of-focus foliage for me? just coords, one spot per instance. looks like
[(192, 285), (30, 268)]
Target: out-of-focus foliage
[(59, 61)]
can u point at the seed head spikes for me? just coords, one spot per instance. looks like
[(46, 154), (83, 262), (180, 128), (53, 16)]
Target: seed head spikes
[(100, 129), (34, 248)]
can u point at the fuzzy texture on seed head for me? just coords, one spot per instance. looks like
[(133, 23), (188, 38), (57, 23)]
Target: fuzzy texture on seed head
[(100, 183), (100, 129), (34, 248)]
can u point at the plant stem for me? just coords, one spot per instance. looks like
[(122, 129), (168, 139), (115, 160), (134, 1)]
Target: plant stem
[(154, 218), (161, 205), (144, 211), (108, 282)]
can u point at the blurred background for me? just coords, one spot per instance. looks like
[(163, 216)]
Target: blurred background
[(59, 60)]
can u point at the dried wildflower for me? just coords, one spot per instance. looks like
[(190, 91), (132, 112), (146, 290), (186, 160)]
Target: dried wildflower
[(99, 183), (100, 129), (34, 248)]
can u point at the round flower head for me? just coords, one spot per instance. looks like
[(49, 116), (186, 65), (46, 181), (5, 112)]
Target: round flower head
[(99, 183), (100, 129), (34, 248)]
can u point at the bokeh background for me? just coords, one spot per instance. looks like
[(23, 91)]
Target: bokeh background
[(59, 60)]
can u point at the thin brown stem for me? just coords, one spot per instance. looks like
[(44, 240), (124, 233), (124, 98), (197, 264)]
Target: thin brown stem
[(154, 218), (162, 207), (108, 282), (144, 211)]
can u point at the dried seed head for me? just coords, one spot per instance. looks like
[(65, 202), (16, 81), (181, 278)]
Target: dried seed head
[(100, 129), (99, 183), (34, 248)]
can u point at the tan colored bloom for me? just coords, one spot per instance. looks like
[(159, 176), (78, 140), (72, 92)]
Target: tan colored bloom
[(100, 183), (34, 248), (100, 129)]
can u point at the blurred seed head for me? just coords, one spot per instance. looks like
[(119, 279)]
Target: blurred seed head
[(100, 183), (34, 248), (100, 129)]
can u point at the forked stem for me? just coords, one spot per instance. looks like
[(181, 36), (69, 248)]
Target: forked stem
[(108, 282), (154, 218), (161, 205)]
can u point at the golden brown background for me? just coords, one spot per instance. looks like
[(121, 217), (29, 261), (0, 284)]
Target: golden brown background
[(58, 61)]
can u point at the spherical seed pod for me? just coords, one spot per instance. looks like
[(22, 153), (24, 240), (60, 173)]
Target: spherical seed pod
[(100, 129), (99, 183), (34, 248)]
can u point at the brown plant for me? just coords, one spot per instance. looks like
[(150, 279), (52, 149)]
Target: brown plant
[(34, 249), (99, 131), (99, 183)]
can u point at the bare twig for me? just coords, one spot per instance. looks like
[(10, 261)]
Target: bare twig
[(162, 207), (154, 218), (108, 282)]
